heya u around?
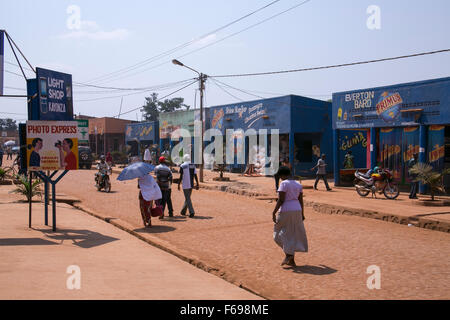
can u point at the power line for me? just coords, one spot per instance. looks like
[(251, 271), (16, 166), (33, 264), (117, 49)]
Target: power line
[(223, 89), (179, 47), (161, 98), (333, 66), (78, 84), (215, 42), (250, 94), (156, 88)]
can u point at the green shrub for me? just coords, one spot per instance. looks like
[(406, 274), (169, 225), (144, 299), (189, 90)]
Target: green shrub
[(23, 187), (119, 157)]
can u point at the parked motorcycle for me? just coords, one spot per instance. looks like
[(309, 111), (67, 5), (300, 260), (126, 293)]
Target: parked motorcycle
[(381, 182), (102, 180)]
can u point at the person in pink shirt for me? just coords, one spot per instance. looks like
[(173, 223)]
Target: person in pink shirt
[(289, 232)]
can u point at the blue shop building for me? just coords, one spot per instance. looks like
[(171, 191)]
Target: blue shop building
[(142, 134), (304, 126), (387, 125)]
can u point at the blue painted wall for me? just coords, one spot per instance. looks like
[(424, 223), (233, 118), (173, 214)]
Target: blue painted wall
[(289, 114)]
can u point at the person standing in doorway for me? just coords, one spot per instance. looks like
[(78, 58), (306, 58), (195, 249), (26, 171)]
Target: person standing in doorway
[(164, 180), (414, 184), (147, 156), (187, 174), (321, 172)]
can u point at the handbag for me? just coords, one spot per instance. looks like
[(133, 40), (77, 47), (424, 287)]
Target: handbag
[(157, 211)]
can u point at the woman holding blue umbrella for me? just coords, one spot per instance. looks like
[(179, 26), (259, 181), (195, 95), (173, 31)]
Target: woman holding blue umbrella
[(149, 189)]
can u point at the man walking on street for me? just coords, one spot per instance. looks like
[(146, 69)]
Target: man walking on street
[(414, 184), (187, 175), (164, 180), (321, 172), (1, 156)]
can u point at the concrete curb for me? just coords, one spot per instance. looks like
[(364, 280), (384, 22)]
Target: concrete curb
[(319, 207), (435, 225), (167, 247)]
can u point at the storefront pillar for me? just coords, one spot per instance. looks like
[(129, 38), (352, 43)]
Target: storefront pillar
[(373, 147), (291, 150), (336, 164), (423, 135)]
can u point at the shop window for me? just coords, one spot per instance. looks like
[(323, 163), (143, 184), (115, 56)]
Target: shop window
[(116, 145)]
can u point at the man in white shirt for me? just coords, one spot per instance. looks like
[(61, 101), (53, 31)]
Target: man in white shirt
[(187, 174), (147, 156)]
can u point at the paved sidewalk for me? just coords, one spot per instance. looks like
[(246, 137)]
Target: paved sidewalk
[(113, 263)]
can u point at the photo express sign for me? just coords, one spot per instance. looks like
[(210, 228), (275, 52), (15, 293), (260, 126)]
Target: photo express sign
[(54, 95), (425, 102), (52, 145)]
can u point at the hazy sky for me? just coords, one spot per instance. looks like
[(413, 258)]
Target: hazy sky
[(120, 34)]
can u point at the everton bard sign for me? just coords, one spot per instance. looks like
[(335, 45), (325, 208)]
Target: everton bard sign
[(408, 104), (54, 96)]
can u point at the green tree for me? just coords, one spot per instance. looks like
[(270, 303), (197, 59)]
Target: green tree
[(8, 124), (150, 109), (153, 107)]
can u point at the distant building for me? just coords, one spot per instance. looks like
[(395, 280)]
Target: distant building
[(106, 134)]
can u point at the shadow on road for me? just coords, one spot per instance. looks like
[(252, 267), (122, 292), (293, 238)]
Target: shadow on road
[(174, 219), (155, 229), (81, 238), (201, 218), (315, 270), (25, 242)]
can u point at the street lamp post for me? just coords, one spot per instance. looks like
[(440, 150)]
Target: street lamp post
[(201, 79)]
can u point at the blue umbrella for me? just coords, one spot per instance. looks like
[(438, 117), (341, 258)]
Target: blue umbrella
[(135, 170)]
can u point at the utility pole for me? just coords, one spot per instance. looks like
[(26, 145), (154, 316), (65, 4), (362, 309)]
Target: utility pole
[(202, 79)]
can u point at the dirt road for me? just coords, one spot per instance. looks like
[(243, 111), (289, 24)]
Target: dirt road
[(234, 235)]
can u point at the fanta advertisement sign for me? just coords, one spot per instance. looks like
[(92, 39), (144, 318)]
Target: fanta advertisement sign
[(388, 106)]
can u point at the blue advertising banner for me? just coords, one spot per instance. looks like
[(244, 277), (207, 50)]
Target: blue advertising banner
[(54, 95), (436, 147), (424, 102), (2, 53), (411, 146), (260, 114), (145, 131)]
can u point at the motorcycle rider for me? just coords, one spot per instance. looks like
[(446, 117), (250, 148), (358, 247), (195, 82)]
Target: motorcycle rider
[(103, 168)]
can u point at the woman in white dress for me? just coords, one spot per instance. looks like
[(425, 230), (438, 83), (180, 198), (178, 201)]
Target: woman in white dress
[(289, 231), (149, 191)]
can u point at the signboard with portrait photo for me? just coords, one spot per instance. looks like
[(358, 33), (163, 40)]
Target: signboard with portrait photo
[(52, 145)]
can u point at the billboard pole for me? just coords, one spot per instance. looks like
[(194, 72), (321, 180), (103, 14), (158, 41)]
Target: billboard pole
[(30, 194)]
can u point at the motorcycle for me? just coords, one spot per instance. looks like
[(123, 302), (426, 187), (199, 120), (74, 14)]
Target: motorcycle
[(381, 182), (102, 181)]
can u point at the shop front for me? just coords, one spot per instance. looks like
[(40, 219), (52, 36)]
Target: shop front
[(169, 122), (303, 127), (138, 136), (397, 122)]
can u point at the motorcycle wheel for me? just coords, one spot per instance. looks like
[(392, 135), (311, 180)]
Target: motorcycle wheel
[(98, 187), (362, 193), (108, 186), (391, 191)]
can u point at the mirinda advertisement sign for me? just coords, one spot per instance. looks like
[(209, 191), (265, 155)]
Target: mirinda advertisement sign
[(52, 145)]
